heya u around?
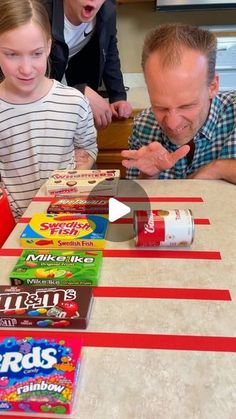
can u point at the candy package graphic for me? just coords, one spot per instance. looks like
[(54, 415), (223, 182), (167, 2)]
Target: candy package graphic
[(39, 307), (65, 231), (92, 205), (75, 183), (57, 267), (38, 373)]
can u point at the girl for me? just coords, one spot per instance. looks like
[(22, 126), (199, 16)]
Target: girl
[(44, 125)]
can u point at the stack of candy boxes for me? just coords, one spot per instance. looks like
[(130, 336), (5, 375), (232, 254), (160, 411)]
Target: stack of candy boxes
[(52, 288)]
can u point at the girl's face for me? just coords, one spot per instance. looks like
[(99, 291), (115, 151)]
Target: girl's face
[(23, 60)]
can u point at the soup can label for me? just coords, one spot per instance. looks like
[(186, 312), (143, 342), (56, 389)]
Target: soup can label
[(170, 228)]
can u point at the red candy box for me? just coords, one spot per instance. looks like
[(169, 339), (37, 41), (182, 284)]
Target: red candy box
[(80, 205)]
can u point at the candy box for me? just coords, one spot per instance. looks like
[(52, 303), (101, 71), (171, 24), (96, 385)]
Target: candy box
[(55, 307), (65, 231), (38, 372), (51, 267), (83, 183), (82, 205)]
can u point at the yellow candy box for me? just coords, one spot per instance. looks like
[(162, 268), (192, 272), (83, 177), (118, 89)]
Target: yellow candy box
[(65, 231)]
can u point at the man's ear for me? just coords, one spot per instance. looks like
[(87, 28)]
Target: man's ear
[(214, 86)]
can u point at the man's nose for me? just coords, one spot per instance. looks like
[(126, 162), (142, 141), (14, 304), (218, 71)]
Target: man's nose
[(173, 120)]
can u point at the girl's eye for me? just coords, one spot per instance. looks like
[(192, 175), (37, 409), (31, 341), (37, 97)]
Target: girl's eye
[(10, 54), (37, 54)]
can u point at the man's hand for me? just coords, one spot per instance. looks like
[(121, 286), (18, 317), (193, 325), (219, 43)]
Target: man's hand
[(121, 109), (153, 158), (101, 109)]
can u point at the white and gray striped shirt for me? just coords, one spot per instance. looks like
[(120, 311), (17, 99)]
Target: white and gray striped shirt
[(39, 137)]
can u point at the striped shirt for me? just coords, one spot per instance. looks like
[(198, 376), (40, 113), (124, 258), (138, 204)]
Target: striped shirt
[(39, 137), (216, 139)]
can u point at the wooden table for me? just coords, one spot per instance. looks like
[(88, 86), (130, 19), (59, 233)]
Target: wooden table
[(161, 338)]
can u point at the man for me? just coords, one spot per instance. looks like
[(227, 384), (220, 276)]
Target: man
[(189, 132), (84, 54)]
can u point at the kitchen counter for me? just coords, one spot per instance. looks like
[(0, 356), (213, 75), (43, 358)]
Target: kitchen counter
[(161, 337), (137, 94)]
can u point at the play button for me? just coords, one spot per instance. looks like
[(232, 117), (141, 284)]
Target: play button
[(130, 197), (117, 210)]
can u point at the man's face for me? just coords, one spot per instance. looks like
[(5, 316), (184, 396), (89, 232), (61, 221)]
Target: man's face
[(78, 11), (180, 96)]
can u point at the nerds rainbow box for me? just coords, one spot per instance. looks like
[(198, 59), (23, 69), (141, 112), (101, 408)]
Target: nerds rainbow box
[(38, 372)]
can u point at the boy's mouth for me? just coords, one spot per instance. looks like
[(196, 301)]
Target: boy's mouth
[(88, 9)]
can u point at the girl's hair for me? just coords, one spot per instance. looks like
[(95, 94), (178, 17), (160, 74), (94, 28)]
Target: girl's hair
[(172, 39), (16, 13)]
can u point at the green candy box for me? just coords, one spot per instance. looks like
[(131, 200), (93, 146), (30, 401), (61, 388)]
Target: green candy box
[(57, 267)]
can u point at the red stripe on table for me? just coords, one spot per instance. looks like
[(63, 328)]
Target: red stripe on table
[(19, 415), (197, 221), (42, 199), (10, 252), (26, 415), (169, 254), (151, 341), (166, 254), (137, 199), (24, 220), (172, 293), (160, 199)]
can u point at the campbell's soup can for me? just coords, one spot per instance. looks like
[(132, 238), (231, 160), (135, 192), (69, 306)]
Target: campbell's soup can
[(163, 228)]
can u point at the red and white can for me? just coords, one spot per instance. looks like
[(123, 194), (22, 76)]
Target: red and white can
[(163, 228)]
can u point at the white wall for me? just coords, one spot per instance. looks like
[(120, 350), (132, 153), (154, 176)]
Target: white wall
[(135, 19)]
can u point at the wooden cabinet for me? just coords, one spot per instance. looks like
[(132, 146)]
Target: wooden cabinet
[(111, 141)]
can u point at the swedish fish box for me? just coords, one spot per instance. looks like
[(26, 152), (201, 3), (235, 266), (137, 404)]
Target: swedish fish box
[(74, 183), (57, 267), (38, 373), (65, 231)]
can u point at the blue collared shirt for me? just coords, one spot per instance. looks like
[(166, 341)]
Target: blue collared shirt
[(216, 139)]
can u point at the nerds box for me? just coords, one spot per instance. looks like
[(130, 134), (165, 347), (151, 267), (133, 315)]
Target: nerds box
[(38, 372)]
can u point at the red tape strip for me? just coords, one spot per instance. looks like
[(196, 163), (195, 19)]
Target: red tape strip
[(171, 293), (137, 199), (166, 254), (10, 252), (160, 199), (151, 341), (169, 254), (197, 221)]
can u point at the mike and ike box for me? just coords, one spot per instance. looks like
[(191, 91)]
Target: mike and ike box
[(65, 231), (40, 307), (51, 267), (75, 183)]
